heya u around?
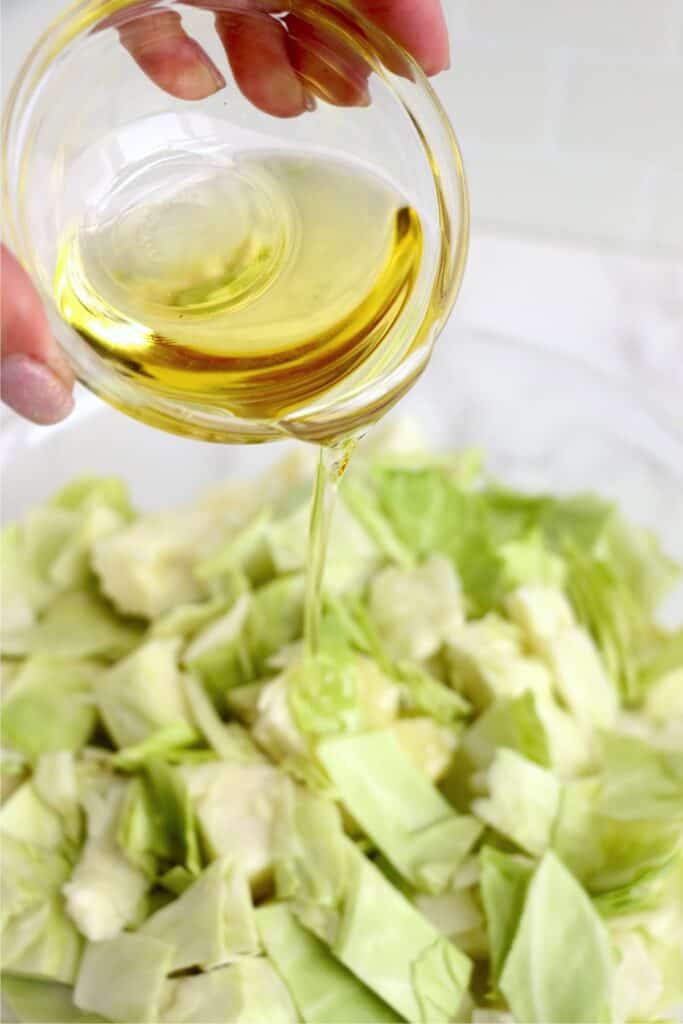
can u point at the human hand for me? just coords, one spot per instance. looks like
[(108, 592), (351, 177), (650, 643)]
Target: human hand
[(275, 68)]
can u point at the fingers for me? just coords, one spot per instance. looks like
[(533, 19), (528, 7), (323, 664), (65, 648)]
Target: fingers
[(256, 45), (160, 46), (35, 379), (329, 69), (419, 27)]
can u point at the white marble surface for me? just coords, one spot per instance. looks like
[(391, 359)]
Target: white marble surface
[(618, 311)]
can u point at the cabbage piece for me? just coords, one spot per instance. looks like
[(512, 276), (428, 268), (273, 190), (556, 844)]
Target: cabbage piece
[(616, 591), (50, 552), (347, 902), (323, 989), (173, 808), (43, 1002), (247, 992), (487, 662), (211, 923), (541, 612), (274, 727), (42, 942), (581, 679), (311, 860), (361, 500), (429, 746), (37, 937), (142, 694), (235, 650), (504, 883), (245, 552), (422, 693), (550, 628), (123, 978), (664, 707), (529, 560), (352, 555), (620, 862), (404, 815), (641, 781), (338, 692), (229, 740), (235, 806), (638, 982), (50, 706), (77, 625), (432, 514), (56, 782), (536, 726), (523, 801), (104, 891), (157, 827), (457, 915), (170, 741), (221, 632), (25, 592), (511, 722), (413, 969), (416, 610), (186, 620), (648, 942), (26, 816), (560, 965), (149, 567), (62, 533), (664, 656)]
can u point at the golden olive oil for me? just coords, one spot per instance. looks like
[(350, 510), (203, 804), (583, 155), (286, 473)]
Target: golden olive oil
[(253, 286)]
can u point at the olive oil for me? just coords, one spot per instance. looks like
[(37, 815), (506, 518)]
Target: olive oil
[(254, 285)]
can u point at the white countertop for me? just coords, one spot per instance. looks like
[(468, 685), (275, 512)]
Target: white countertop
[(615, 310)]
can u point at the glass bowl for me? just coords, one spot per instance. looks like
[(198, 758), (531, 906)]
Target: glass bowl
[(82, 118)]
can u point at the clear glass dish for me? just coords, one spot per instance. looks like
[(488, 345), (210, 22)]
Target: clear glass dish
[(82, 118)]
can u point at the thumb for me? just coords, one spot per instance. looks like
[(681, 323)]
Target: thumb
[(35, 378)]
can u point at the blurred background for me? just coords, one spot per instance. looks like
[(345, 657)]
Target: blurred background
[(570, 117), (570, 114)]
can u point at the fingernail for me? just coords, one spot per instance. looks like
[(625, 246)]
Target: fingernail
[(34, 391), (198, 80), (310, 102)]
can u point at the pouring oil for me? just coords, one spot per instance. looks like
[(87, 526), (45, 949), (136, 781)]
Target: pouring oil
[(254, 286)]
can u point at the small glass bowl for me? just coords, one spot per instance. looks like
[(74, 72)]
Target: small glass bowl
[(81, 111)]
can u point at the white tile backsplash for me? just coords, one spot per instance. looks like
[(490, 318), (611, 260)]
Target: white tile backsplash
[(586, 142), (569, 113), (627, 108), (620, 26), (560, 195), (498, 95)]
